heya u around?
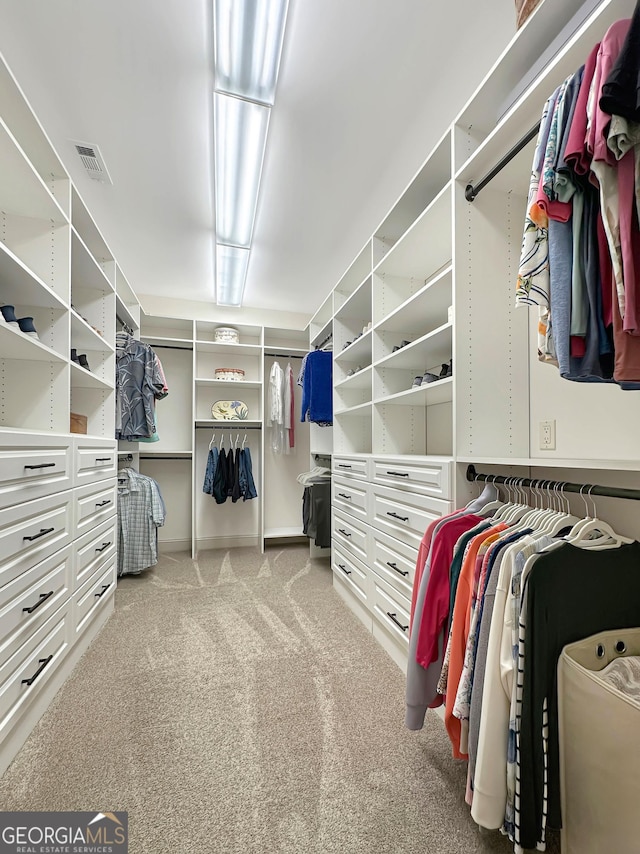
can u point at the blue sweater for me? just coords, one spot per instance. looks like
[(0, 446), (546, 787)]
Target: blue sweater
[(317, 389)]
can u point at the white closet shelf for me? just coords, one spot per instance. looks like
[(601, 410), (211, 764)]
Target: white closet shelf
[(426, 245), (229, 349), (425, 353), (232, 425), (16, 345), (23, 191), (20, 286), (553, 462), (148, 451), (361, 410), (82, 378), (160, 339), (228, 383), (88, 232), (433, 299), (359, 350), (83, 337), (283, 351), (86, 272), (431, 394), (360, 380), (322, 333), (358, 304), (277, 533), (355, 276), (123, 314)]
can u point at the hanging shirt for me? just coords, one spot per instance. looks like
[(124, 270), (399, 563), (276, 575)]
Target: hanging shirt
[(139, 383), (140, 512)]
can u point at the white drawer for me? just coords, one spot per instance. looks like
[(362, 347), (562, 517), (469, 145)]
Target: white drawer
[(94, 503), (427, 475), (95, 460), (405, 515), (351, 497), (391, 610), (92, 550), (93, 596), (351, 534), (27, 671), (352, 573), (394, 561), (29, 600), (33, 466), (31, 532), (357, 467)]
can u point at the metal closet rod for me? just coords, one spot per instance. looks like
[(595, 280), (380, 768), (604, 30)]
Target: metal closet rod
[(537, 483), (162, 457), (239, 428), (324, 341), (472, 190), (283, 355), (169, 347)]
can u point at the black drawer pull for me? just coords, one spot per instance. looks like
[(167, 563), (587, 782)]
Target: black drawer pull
[(103, 459), (344, 466), (346, 571), (103, 546), (43, 663), (105, 587), (41, 533), (399, 473), (342, 531), (43, 598), (104, 503), (395, 566), (395, 516), (344, 495), (42, 466), (397, 622)]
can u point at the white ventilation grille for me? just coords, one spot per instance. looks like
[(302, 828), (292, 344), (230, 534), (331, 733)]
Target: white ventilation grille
[(93, 162)]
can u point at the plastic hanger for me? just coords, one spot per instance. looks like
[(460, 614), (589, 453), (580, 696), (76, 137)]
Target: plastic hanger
[(213, 441), (564, 517), (594, 525), (501, 512), (491, 505), (244, 441)]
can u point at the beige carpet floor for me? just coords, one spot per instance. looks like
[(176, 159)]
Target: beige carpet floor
[(235, 705)]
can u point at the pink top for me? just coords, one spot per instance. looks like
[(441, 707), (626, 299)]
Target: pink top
[(575, 152)]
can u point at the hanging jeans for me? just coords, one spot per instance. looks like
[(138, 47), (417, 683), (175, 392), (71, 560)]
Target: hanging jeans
[(210, 472), (247, 485)]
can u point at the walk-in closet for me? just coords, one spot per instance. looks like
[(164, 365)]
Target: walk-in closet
[(319, 394)]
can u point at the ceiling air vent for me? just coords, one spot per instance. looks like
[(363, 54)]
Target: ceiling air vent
[(92, 161)]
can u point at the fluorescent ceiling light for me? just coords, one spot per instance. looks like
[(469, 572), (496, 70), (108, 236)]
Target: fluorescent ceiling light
[(231, 273), (248, 45), (240, 135)]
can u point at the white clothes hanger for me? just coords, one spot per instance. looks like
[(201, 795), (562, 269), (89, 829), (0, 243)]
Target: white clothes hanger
[(244, 441), (213, 441), (493, 504), (579, 536)]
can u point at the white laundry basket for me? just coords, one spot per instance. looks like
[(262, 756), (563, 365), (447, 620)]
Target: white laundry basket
[(599, 748)]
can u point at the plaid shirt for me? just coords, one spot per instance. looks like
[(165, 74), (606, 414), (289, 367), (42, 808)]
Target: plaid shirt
[(141, 512)]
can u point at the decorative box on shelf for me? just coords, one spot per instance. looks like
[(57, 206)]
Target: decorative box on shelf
[(226, 335), (229, 374), (78, 423)]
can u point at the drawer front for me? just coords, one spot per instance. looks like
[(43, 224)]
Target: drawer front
[(94, 504), (95, 461), (395, 562), (356, 467), (31, 532), (31, 467), (352, 535), (92, 550), (427, 476), (391, 610), (405, 515), (24, 674), (352, 573), (93, 596), (29, 600), (351, 497)]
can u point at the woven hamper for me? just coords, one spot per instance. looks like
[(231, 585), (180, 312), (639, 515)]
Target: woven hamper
[(599, 748)]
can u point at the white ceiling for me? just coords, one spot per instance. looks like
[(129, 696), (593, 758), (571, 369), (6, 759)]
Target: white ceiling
[(366, 88)]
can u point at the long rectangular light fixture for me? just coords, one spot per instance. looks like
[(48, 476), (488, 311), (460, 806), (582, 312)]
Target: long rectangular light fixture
[(248, 44), (240, 135), (231, 274)]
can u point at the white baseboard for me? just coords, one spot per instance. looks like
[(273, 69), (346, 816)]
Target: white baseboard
[(170, 546), (361, 612), (226, 543)]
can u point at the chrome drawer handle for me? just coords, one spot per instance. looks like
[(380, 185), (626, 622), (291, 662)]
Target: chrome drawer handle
[(346, 571), (344, 495), (43, 598), (399, 473), (344, 466), (103, 459), (42, 532), (105, 587), (103, 503), (342, 531), (395, 566), (42, 466), (103, 546), (397, 622), (395, 516), (43, 663)]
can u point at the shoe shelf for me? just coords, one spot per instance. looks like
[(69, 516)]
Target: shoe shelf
[(14, 344), (361, 379), (358, 351), (357, 306), (361, 410), (86, 272), (22, 190), (84, 337), (431, 394), (413, 311), (82, 378), (354, 278), (20, 285), (425, 353)]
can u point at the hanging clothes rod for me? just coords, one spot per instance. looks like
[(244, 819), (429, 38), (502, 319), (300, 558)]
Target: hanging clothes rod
[(238, 426), (283, 356), (160, 457), (539, 483), (324, 341), (125, 326), (169, 347), (472, 190)]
